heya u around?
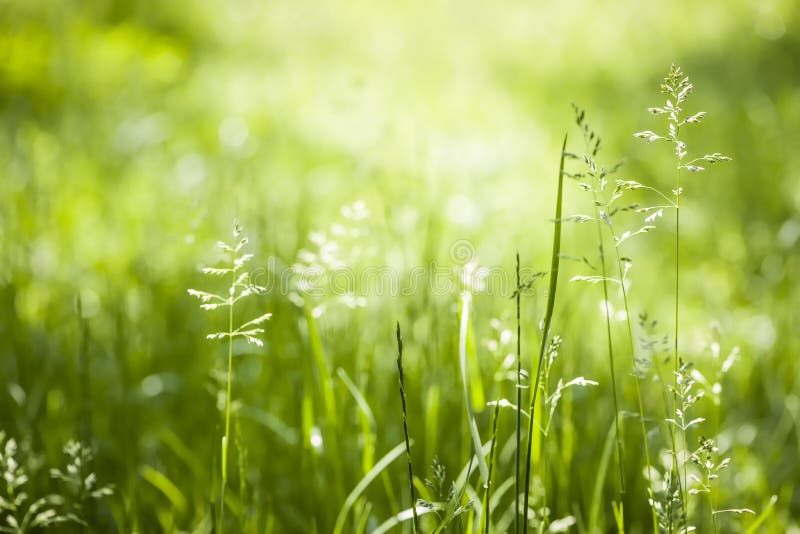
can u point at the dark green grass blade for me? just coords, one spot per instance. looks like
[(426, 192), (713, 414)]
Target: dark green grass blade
[(519, 405), (415, 524), (548, 317)]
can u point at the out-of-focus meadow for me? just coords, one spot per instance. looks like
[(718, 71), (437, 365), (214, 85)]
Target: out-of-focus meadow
[(132, 133)]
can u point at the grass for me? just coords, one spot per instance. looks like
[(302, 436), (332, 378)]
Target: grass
[(602, 218), (607, 208), (240, 288), (487, 512), (318, 436), (678, 88), (518, 295), (415, 524), (555, 259)]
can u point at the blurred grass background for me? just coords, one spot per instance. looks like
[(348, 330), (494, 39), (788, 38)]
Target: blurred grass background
[(133, 133)]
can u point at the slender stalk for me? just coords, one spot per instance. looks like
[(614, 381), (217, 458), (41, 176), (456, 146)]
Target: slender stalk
[(620, 460), (677, 264), (325, 377), (678, 87), (84, 375), (462, 353), (551, 299), (546, 425), (225, 438), (519, 404), (637, 379), (486, 506), (677, 323), (638, 386), (415, 524), (673, 443), (711, 505), (600, 218), (248, 331), (588, 137)]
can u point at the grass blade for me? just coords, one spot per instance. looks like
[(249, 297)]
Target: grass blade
[(462, 353), (548, 317), (519, 403), (768, 509), (166, 486), (405, 515), (382, 464), (597, 492), (487, 498), (415, 524)]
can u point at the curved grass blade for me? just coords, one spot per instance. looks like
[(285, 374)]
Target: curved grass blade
[(462, 354), (382, 464)]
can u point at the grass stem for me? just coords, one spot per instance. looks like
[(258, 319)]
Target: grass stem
[(519, 404), (225, 437), (487, 513), (610, 345)]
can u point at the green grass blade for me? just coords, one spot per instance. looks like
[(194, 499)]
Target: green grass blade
[(326, 381), (415, 524), (462, 354), (597, 492), (367, 421), (548, 317), (433, 424), (763, 516), (267, 420), (395, 520), (168, 488), (382, 464), (519, 403), (487, 511)]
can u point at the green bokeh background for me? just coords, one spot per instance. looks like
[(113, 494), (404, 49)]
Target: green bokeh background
[(132, 133)]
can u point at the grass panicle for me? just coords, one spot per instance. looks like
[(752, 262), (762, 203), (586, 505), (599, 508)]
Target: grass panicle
[(77, 483), (240, 288), (598, 178), (677, 87)]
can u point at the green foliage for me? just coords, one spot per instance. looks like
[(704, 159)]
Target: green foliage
[(79, 482), (18, 510), (22, 512), (132, 133), (241, 287), (449, 504)]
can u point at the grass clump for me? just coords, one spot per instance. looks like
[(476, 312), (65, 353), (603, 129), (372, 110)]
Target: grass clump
[(79, 489), (563, 456), (18, 511)]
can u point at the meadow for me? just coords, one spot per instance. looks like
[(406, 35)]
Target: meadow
[(355, 267)]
